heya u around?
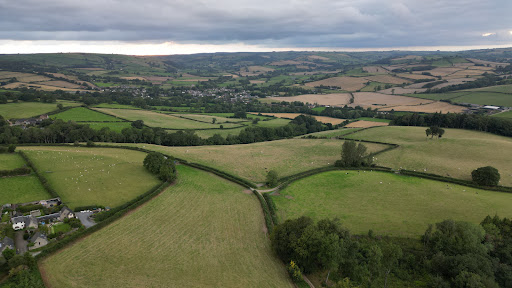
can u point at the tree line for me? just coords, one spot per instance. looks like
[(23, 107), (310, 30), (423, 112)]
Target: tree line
[(58, 131), (450, 254), (495, 125)]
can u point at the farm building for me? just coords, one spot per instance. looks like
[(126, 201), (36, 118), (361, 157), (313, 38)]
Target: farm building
[(21, 222)]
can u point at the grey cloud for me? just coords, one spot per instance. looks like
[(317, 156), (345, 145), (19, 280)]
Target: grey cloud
[(300, 23)]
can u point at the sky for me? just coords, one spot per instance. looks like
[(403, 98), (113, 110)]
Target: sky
[(162, 27)]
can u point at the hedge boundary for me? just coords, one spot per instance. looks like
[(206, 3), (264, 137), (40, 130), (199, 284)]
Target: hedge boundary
[(271, 207), (266, 212), (15, 172), (42, 179), (118, 213)]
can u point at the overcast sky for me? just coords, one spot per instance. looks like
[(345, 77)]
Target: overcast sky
[(191, 26)]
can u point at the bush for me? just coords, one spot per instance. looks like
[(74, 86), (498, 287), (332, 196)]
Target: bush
[(90, 143), (272, 178), (294, 272), (11, 148), (486, 176)]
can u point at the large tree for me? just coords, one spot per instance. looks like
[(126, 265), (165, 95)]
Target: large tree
[(353, 155), (486, 176)]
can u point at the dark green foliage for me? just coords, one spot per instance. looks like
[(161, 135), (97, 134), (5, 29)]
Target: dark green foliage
[(153, 162), (167, 170), (11, 148), (266, 212), (495, 125), (73, 222), (271, 207), (3, 149), (60, 106), (241, 114), (15, 172), (8, 253), (457, 252), (139, 124), (272, 178), (486, 176), (90, 143), (353, 155), (28, 208), (434, 131)]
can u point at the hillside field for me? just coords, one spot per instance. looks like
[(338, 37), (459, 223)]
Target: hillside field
[(155, 119), (201, 232), (253, 161), (93, 176), (21, 189), (387, 203), (9, 161), (84, 114), (456, 154), (30, 109)]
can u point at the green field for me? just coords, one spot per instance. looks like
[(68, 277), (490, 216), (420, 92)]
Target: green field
[(494, 95), (30, 109), (155, 119), (9, 161), (507, 114), (114, 126), (253, 161), (332, 133), (209, 118), (374, 119), (63, 227), (21, 189), (93, 176), (387, 203), (456, 154), (115, 106), (272, 123), (202, 232), (84, 114)]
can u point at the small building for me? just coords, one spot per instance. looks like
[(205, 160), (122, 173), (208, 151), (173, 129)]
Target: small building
[(39, 240), (22, 222), (6, 243), (491, 107), (65, 212), (35, 213)]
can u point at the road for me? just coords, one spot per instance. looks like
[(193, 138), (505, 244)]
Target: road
[(19, 242), (84, 218)]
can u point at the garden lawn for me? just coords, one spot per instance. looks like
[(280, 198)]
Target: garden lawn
[(201, 232), (253, 161), (9, 161), (21, 189), (93, 176), (387, 203), (456, 154), (84, 114)]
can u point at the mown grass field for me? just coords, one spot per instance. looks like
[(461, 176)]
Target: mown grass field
[(30, 109), (332, 133), (21, 189), (507, 114), (253, 161), (84, 114), (456, 154), (93, 176), (114, 126), (155, 119), (389, 204), (9, 161), (115, 106), (202, 232)]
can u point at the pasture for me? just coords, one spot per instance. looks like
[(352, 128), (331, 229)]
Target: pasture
[(30, 109), (433, 107), (365, 124), (93, 176), (332, 133), (82, 114), (253, 161), (155, 119), (344, 82), (21, 189), (507, 114), (323, 119), (201, 232), (334, 99), (387, 203), (456, 154), (9, 161)]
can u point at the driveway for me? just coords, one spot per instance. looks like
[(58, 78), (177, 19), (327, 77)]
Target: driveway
[(19, 242), (84, 218)]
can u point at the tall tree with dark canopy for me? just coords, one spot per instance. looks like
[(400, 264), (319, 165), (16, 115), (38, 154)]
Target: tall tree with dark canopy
[(486, 176)]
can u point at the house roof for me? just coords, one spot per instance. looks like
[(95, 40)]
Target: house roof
[(8, 241), (36, 236)]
